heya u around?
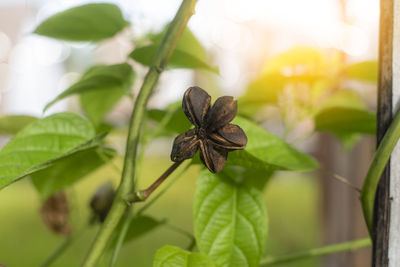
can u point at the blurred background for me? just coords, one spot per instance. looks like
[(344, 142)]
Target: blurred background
[(284, 60)]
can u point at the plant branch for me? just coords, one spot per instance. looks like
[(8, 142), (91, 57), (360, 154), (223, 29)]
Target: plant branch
[(159, 62), (144, 194), (154, 199), (121, 236), (330, 249), (376, 168)]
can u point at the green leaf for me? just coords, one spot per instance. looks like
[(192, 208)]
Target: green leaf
[(97, 104), (342, 120), (230, 221), (42, 142), (110, 82), (366, 71), (141, 225), (187, 42), (70, 169), (188, 53), (172, 120), (169, 256), (267, 151), (138, 226), (12, 124), (90, 22), (257, 178), (178, 60)]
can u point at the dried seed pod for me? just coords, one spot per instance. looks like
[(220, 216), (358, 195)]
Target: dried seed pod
[(55, 213), (102, 200), (212, 133), (222, 113), (196, 104), (185, 145)]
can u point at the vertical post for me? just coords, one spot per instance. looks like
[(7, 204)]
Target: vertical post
[(386, 221)]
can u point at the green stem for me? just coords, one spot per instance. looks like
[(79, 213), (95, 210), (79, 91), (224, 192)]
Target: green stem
[(144, 194), (121, 236), (160, 61), (154, 199), (376, 168), (331, 249)]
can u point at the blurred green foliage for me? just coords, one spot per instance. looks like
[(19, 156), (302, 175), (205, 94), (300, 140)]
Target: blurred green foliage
[(22, 216), (303, 83)]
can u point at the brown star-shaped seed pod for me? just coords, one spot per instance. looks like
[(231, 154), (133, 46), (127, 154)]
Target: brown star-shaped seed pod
[(213, 133)]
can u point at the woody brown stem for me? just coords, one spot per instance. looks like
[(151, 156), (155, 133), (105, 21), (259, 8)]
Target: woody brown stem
[(144, 194)]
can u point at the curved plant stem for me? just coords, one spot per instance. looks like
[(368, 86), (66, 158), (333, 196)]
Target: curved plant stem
[(376, 168), (160, 60), (331, 249), (129, 215), (144, 194), (121, 236), (154, 199)]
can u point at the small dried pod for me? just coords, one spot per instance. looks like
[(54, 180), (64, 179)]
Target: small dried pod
[(55, 213), (212, 134), (102, 200)]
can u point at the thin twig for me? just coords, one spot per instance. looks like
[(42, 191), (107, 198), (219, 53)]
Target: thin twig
[(342, 180), (155, 198), (330, 249), (144, 194), (159, 62), (121, 236)]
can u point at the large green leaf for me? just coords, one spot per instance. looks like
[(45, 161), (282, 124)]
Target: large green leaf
[(343, 120), (169, 256), (366, 71), (101, 87), (90, 22), (68, 170), (188, 53), (230, 221), (42, 142), (267, 151), (12, 124)]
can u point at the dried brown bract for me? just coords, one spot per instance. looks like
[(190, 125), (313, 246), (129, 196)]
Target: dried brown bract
[(55, 213), (213, 133)]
